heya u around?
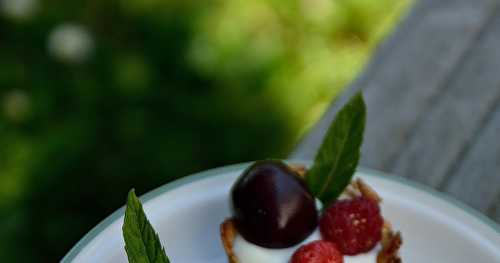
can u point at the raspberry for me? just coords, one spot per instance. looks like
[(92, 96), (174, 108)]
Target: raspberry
[(320, 251), (354, 225)]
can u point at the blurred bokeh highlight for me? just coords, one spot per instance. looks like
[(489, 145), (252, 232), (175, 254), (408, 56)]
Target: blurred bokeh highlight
[(98, 97)]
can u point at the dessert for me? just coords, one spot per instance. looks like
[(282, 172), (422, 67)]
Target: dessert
[(383, 250), (286, 213)]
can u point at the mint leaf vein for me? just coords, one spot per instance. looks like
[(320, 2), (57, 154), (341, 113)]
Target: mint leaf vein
[(142, 243)]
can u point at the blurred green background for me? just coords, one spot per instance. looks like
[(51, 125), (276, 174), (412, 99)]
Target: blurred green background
[(97, 97)]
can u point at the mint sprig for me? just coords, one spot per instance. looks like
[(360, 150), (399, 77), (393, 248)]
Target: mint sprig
[(338, 156), (141, 241)]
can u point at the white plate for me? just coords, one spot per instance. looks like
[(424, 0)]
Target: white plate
[(187, 214)]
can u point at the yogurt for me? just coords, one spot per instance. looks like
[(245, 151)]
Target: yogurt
[(247, 252)]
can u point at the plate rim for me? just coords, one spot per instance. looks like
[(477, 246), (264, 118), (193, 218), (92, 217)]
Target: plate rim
[(87, 238)]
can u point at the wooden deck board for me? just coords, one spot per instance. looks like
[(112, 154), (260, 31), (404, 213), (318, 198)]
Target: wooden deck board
[(433, 95), (477, 179), (494, 210), (399, 98), (402, 81), (457, 116)]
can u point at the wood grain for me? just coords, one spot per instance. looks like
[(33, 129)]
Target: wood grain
[(433, 96), (407, 72), (494, 210), (453, 122), (477, 179)]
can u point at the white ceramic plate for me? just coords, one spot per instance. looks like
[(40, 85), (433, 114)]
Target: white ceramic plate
[(187, 214)]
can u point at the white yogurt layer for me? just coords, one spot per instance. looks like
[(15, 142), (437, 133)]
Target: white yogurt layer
[(247, 252), (369, 257)]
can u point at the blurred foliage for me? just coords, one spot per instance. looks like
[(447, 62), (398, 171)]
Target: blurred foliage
[(141, 92)]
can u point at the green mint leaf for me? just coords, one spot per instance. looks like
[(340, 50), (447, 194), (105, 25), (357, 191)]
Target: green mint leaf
[(141, 241), (338, 156)]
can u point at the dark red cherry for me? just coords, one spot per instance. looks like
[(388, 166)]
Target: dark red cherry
[(272, 206)]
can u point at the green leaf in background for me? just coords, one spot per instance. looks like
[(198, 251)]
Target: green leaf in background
[(141, 241), (338, 156)]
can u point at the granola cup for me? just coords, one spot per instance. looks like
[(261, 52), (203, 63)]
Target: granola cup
[(391, 240)]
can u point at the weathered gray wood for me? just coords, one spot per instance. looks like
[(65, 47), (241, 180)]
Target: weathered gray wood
[(434, 102), (477, 179), (407, 73), (447, 128), (494, 210)]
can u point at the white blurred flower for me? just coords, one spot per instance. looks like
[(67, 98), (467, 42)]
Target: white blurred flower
[(16, 105), (70, 43), (20, 9)]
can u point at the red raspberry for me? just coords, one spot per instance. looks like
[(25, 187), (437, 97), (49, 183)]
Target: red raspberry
[(354, 225), (320, 251)]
